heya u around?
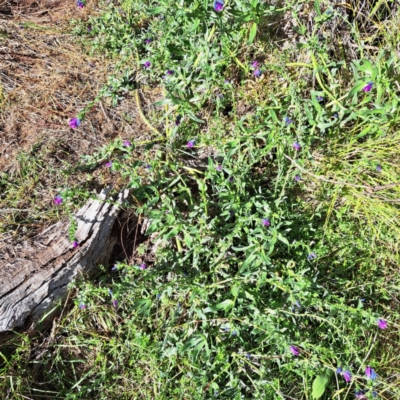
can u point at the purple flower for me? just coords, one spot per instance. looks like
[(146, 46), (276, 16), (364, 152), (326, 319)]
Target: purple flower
[(219, 167), (170, 72), (82, 306), (287, 120), (178, 120), (143, 266), (378, 168), (80, 3), (89, 29), (294, 350), (266, 222), (115, 303), (368, 87), (257, 73), (311, 256), (75, 244), (127, 143), (108, 164), (370, 372), (191, 143), (58, 199), (114, 268), (339, 370), (74, 123), (230, 179), (297, 178), (147, 64), (382, 324), (254, 64), (347, 376), (147, 41), (147, 166), (296, 146), (218, 5), (360, 394), (320, 98), (374, 394)]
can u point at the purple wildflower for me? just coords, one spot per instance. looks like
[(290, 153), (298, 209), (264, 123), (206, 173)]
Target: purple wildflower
[(379, 168), (115, 303), (297, 178), (147, 41), (320, 98), (294, 350), (58, 199), (311, 256), (191, 143), (82, 306), (147, 64), (360, 394), (287, 120), (127, 143), (147, 166), (89, 29), (296, 146), (257, 73), (382, 324), (368, 87), (108, 164), (178, 120), (143, 266), (170, 72), (370, 372), (347, 376), (74, 123), (339, 370), (254, 64), (80, 3), (230, 179), (75, 244), (219, 167), (114, 268), (218, 5), (266, 222), (374, 394)]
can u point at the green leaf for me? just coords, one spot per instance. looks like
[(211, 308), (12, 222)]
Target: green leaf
[(226, 305), (253, 32), (319, 385), (156, 10)]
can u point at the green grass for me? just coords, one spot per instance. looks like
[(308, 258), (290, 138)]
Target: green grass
[(223, 297)]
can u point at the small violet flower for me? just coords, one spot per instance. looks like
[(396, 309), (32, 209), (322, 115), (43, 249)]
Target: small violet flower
[(294, 350), (147, 64), (339, 370), (147, 41), (320, 98), (143, 266), (58, 199), (379, 168), (297, 178), (360, 394), (219, 167), (347, 376), (296, 146), (254, 64), (127, 143), (75, 244), (230, 179), (80, 3), (114, 268), (178, 120), (382, 324), (82, 306), (108, 164), (368, 87), (257, 73), (191, 143), (374, 394), (266, 222), (370, 372), (74, 123), (170, 72), (287, 120), (115, 303), (218, 5), (311, 256)]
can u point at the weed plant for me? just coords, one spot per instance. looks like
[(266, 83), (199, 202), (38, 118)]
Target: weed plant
[(270, 191)]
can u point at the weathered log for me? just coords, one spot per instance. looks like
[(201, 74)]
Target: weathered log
[(35, 275)]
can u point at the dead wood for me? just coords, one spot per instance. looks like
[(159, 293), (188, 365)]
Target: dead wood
[(34, 276)]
